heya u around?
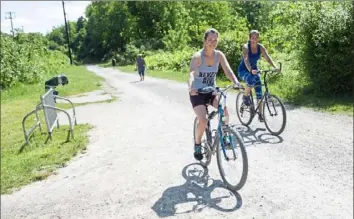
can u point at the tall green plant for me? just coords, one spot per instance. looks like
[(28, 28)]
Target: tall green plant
[(27, 59), (327, 52)]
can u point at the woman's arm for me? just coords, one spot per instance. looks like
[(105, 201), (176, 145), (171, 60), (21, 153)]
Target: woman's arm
[(267, 56), (245, 57), (194, 64), (227, 69)]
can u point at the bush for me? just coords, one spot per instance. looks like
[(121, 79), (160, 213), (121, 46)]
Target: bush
[(176, 61), (231, 45), (27, 59), (327, 52)]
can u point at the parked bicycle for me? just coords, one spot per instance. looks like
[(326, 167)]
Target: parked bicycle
[(224, 140), (272, 107)]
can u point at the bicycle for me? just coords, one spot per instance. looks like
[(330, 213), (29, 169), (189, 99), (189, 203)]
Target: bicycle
[(267, 100), (230, 139)]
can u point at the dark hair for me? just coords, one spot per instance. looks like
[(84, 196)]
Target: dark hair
[(211, 30), (252, 32)]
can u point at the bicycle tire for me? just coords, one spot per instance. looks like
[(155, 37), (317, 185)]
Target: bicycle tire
[(207, 152), (276, 133), (238, 108), (219, 154)]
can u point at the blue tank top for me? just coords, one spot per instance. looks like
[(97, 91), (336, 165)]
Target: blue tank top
[(206, 75), (253, 58)]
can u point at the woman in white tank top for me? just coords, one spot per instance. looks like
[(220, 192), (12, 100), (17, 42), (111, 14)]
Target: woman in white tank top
[(203, 69)]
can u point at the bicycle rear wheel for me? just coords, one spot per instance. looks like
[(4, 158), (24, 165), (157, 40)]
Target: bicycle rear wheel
[(206, 139), (236, 176), (244, 113), (273, 107)]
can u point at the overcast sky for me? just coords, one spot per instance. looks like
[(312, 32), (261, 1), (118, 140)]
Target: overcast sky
[(40, 16)]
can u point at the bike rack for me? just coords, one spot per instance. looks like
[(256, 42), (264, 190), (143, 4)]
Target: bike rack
[(38, 123), (48, 104)]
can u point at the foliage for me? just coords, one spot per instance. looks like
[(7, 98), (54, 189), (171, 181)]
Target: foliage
[(327, 52), (27, 59), (316, 35), (176, 61)]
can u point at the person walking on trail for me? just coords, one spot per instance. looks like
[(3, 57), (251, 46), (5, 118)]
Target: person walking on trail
[(140, 65), (203, 69), (247, 69)]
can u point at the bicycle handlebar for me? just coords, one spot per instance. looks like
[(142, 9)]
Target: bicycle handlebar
[(211, 89), (270, 70)]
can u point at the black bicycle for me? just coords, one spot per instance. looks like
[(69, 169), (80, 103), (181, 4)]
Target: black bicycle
[(225, 141), (272, 106)]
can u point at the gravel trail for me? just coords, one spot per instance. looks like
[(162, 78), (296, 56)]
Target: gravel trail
[(139, 164)]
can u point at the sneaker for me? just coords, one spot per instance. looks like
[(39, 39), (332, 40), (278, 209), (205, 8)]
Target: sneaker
[(198, 152), (246, 100), (260, 117)]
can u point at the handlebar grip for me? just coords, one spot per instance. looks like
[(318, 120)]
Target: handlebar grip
[(280, 66)]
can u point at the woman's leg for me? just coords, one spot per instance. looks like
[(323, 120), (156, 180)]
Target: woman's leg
[(258, 89), (250, 80), (200, 112), (198, 103)]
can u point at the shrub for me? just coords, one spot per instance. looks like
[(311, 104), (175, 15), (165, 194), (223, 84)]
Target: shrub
[(327, 52), (27, 59)]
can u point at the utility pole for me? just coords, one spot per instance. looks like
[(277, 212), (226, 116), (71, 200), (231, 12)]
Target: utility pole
[(67, 34), (10, 16)]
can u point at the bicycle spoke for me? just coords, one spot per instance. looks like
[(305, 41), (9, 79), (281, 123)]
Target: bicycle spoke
[(232, 160)]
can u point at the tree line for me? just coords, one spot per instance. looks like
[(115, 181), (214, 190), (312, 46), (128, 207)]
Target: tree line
[(313, 39)]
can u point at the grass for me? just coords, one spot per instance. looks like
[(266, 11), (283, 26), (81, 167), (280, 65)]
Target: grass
[(22, 164), (342, 105)]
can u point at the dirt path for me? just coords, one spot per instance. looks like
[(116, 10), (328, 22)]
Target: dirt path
[(139, 164)]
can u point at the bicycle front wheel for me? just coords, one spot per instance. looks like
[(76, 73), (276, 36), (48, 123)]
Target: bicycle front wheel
[(232, 161), (274, 114), (244, 113), (206, 143)]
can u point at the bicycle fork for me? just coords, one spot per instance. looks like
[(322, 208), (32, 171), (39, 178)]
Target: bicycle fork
[(221, 136)]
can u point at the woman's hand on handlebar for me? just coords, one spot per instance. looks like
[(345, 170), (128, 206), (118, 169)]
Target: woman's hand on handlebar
[(237, 85)]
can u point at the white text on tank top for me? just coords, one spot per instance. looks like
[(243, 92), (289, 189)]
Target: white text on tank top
[(206, 75)]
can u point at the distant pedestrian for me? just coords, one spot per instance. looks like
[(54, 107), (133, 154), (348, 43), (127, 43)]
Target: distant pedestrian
[(140, 65)]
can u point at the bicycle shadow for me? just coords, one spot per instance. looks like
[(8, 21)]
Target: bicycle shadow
[(196, 189), (250, 136)]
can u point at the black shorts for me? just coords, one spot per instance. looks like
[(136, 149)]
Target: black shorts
[(202, 99)]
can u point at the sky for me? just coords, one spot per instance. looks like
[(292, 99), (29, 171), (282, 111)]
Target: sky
[(40, 16)]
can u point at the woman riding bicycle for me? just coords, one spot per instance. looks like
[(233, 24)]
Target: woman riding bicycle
[(203, 69), (247, 69)]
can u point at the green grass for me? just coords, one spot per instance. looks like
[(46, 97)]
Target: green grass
[(22, 164), (342, 105)]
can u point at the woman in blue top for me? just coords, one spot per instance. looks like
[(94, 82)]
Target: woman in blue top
[(247, 69)]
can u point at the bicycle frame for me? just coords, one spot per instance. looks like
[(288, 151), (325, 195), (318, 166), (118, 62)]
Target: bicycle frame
[(266, 93), (265, 85), (264, 96), (220, 111)]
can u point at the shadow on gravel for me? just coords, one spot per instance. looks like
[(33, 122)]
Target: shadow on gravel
[(251, 137), (198, 192), (133, 82)]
